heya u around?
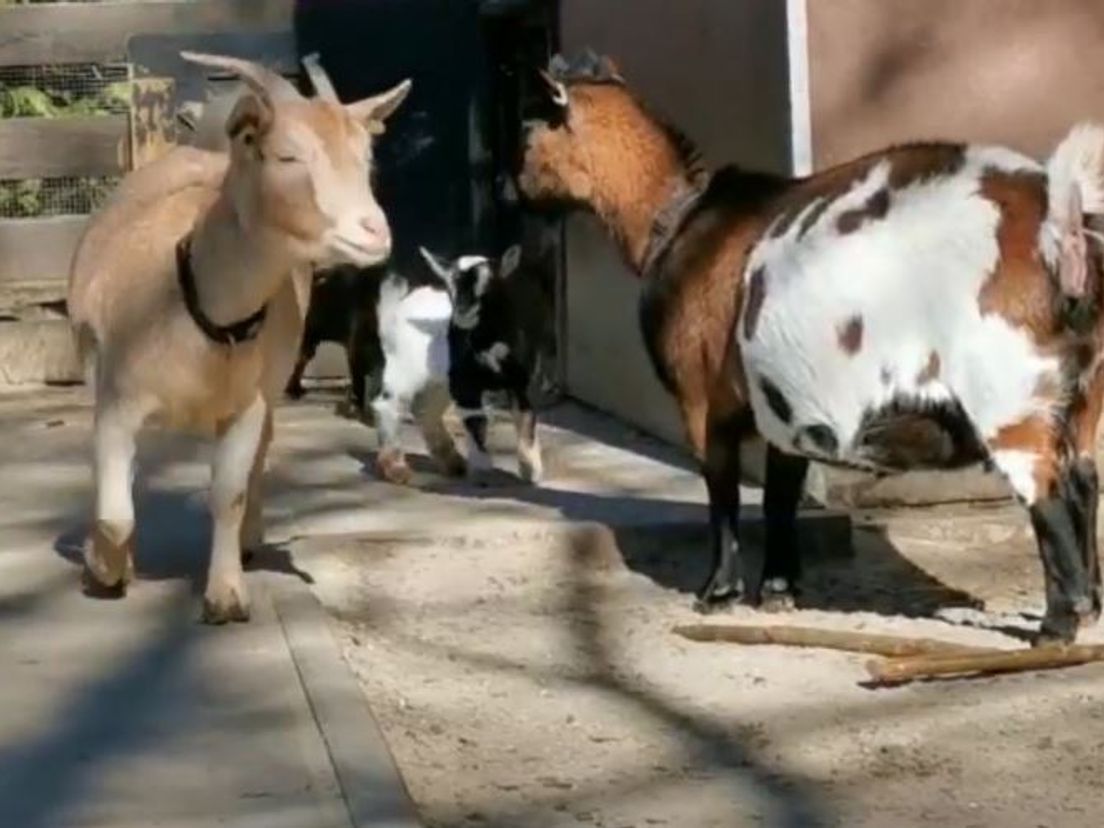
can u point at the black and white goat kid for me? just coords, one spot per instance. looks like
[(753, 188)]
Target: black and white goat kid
[(490, 350)]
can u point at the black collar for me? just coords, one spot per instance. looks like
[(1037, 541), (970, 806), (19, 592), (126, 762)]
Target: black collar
[(231, 334), (668, 222)]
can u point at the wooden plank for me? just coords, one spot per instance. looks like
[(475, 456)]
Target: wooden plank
[(97, 32), (49, 147), (33, 250)]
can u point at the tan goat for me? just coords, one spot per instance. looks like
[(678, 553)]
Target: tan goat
[(188, 292)]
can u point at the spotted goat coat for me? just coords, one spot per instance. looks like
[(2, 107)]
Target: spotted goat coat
[(933, 306)]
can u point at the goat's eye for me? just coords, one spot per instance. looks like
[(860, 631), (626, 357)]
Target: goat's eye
[(287, 159)]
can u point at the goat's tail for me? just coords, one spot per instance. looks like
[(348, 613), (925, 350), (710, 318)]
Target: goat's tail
[(1075, 189)]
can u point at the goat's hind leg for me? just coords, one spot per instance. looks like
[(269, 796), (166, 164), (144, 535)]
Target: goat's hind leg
[(432, 405), (109, 554), (1043, 477), (225, 598)]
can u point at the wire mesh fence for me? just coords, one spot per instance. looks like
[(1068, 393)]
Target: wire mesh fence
[(64, 91)]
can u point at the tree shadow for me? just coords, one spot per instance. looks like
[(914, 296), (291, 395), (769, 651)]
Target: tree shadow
[(42, 777)]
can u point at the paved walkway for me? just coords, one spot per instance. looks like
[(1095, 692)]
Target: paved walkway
[(130, 713)]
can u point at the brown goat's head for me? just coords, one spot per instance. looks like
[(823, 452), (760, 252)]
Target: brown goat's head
[(301, 167), (590, 133), (568, 127)]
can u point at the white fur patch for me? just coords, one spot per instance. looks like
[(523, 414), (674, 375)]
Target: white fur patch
[(1018, 468), (469, 262), (493, 356), (912, 278), (413, 327)]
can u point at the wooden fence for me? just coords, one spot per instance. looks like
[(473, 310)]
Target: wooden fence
[(35, 252)]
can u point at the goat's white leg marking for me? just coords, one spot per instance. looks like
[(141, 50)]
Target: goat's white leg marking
[(390, 460), (109, 556), (431, 410), (475, 423), (252, 533), (530, 462), (1018, 468), (226, 598)]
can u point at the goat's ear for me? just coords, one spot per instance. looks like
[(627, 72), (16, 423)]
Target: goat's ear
[(511, 259), (555, 88), (373, 111), (1073, 269), (438, 266), (251, 116)]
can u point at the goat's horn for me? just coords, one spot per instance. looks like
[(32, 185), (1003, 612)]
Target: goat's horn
[(260, 79), (318, 77)]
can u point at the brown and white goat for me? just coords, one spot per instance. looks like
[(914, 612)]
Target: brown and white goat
[(188, 292), (929, 305)]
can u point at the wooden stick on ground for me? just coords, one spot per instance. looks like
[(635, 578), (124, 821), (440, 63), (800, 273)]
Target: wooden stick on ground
[(855, 642), (898, 670)]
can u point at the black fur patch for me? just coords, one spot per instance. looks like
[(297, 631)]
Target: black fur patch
[(777, 401), (820, 437)]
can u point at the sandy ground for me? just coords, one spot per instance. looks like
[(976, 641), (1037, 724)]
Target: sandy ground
[(530, 679)]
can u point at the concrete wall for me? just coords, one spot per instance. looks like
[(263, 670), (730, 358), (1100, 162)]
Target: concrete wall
[(717, 68), (1016, 72)]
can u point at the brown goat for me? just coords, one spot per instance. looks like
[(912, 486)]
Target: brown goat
[(929, 305), (187, 295)]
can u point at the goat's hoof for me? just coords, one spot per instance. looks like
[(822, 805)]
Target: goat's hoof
[(93, 587), (392, 467), (716, 598), (531, 471), (777, 596), (1057, 629), (109, 559), (453, 465), (220, 609), (294, 392), (349, 410)]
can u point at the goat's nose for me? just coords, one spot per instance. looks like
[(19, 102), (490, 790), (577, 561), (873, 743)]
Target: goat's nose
[(377, 228)]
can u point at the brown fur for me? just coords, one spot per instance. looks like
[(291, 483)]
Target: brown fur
[(930, 371), (1020, 288), (1034, 435), (873, 209)]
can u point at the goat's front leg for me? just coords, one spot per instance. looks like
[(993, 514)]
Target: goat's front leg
[(390, 460), (775, 587), (294, 388), (530, 462), (432, 406), (469, 404), (109, 556), (252, 531), (226, 598), (721, 470)]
